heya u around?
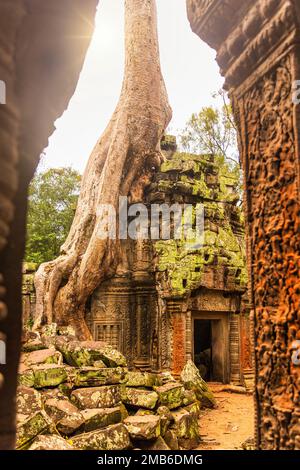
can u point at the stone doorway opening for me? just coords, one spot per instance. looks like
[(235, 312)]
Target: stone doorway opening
[(211, 347), (203, 348)]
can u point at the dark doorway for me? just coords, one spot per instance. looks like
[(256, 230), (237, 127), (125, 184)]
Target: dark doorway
[(211, 346), (203, 348)]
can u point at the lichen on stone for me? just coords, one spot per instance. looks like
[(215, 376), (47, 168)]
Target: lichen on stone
[(212, 182)]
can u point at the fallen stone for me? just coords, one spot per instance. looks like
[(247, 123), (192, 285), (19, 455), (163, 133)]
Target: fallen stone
[(186, 427), (25, 376), (49, 375), (70, 424), (166, 418), (171, 440), (49, 393), (166, 377), (189, 397), (143, 427), (112, 358), (192, 380), (28, 429), (50, 442), (115, 437), (66, 388), (171, 394), (86, 353), (92, 376), (29, 401), (142, 379), (158, 444), (43, 356), (100, 418), (65, 415), (138, 397), (194, 408), (32, 342), (106, 396)]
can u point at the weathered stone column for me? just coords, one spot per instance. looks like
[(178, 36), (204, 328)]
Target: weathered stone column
[(258, 50), (177, 313)]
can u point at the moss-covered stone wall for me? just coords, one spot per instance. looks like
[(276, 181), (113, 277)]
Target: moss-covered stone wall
[(201, 179)]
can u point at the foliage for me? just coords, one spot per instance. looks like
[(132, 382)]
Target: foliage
[(53, 198), (211, 131)]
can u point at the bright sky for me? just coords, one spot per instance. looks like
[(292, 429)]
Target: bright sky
[(188, 64)]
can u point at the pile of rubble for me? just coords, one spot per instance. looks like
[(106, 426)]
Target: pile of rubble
[(80, 395)]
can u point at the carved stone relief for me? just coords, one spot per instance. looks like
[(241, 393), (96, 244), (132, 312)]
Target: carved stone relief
[(258, 54), (275, 246)]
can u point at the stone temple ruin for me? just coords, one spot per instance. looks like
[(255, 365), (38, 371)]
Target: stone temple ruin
[(257, 46), (172, 319), (173, 304), (170, 303)]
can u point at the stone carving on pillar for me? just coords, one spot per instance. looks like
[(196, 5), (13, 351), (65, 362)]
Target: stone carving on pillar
[(164, 335), (259, 55)]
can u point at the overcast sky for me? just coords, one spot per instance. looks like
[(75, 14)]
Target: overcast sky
[(188, 64)]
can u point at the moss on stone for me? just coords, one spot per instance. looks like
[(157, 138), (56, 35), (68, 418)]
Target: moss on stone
[(170, 395), (113, 437), (49, 375), (94, 377), (38, 423), (138, 397), (223, 246)]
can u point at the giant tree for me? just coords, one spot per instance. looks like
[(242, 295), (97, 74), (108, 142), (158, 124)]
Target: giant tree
[(121, 163)]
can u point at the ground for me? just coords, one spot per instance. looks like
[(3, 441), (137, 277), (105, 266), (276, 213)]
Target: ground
[(229, 425)]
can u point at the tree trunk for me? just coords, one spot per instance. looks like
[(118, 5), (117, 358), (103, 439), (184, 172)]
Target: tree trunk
[(121, 164)]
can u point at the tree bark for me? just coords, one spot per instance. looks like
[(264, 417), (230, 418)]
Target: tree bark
[(121, 164)]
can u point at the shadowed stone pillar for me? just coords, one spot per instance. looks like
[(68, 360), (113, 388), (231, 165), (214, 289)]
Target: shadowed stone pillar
[(258, 50), (177, 313)]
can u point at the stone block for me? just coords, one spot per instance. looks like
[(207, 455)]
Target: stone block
[(106, 396), (42, 356), (171, 440), (32, 342), (138, 397), (166, 418), (49, 375), (28, 429), (186, 427), (93, 376), (192, 380), (145, 427), (171, 395), (141, 379), (65, 415), (29, 401), (115, 437), (25, 376), (189, 397), (86, 353), (100, 418), (158, 444), (50, 442)]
